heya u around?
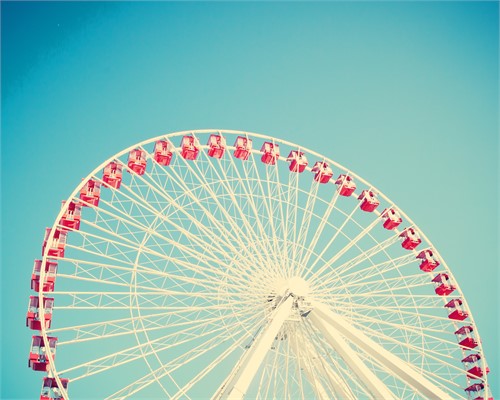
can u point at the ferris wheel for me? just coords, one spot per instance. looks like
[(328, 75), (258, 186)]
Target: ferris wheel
[(246, 267)]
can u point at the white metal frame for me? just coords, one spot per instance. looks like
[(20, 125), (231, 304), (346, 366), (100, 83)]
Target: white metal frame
[(120, 249)]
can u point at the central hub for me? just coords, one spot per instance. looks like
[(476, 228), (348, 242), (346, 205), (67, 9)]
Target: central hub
[(296, 286)]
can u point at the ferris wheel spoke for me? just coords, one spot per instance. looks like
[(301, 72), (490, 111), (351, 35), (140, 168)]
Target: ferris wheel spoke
[(388, 285), (431, 354), (374, 385), (172, 366), (98, 332), (118, 327), (374, 270), (304, 352), (365, 255), (101, 246), (236, 232), (130, 244), (318, 232), (328, 322), (290, 220), (446, 347), (385, 312), (306, 221), (175, 244), (214, 239), (182, 209), (279, 200), (122, 300), (249, 197), (334, 373), (334, 237), (344, 250), (138, 352), (122, 276), (223, 181), (272, 200), (269, 214), (183, 391)]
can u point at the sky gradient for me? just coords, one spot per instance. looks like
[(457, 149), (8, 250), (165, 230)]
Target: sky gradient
[(405, 94)]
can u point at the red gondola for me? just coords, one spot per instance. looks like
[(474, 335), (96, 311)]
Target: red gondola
[(345, 185), (270, 153), (322, 172), (50, 275), (33, 318), (466, 337), (298, 161), (443, 285), (477, 389), (112, 175), (189, 148), (38, 359), (72, 216), (90, 193), (473, 367), (429, 260), (369, 201), (457, 312), (162, 152), (137, 161), (58, 244), (411, 239), (391, 218), (216, 146), (243, 146), (51, 390)]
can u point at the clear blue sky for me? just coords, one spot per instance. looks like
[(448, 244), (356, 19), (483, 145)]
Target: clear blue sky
[(405, 94)]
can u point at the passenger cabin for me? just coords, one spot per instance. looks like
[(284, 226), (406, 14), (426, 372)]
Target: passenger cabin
[(322, 172), (466, 337), (242, 147), (429, 260), (476, 391), (57, 245), (443, 285), (411, 239), (189, 148), (216, 146), (270, 153), (391, 218), (137, 161), (298, 161), (49, 277), (456, 310), (51, 390), (33, 317), (162, 152), (345, 185), (473, 367), (112, 175), (38, 358), (90, 193), (369, 201), (72, 216)]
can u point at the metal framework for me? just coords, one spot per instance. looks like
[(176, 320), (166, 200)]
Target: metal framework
[(248, 278)]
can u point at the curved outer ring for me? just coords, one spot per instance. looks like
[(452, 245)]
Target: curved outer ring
[(75, 192)]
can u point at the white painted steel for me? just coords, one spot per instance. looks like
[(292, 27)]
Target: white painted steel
[(335, 327), (245, 372), (376, 388), (182, 262)]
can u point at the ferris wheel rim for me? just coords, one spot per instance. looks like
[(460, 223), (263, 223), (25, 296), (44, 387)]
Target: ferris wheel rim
[(254, 151)]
